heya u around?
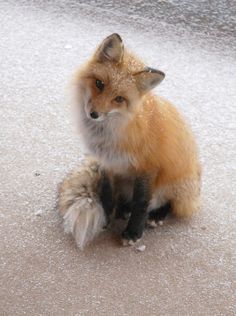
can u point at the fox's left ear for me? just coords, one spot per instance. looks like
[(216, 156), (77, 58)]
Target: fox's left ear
[(111, 49), (148, 79)]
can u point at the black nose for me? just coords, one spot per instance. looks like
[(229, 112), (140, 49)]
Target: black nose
[(94, 115)]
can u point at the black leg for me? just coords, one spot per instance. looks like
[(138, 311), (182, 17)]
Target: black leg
[(159, 214), (106, 196), (123, 207), (141, 197)]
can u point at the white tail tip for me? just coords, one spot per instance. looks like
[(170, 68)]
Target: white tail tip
[(84, 220)]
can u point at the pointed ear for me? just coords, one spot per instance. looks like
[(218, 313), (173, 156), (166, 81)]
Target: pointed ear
[(148, 79), (111, 49)]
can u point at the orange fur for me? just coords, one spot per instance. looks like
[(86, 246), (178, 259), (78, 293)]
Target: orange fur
[(148, 131)]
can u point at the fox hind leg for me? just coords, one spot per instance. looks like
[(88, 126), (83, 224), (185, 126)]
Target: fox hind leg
[(186, 200), (185, 207), (107, 196), (158, 214)]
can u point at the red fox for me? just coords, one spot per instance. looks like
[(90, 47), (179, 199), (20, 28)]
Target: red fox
[(146, 151)]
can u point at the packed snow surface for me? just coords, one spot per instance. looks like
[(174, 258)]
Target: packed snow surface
[(188, 268)]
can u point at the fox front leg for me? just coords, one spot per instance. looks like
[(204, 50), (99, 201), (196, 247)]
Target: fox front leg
[(107, 196), (137, 220)]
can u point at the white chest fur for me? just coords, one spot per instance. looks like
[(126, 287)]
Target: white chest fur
[(101, 139)]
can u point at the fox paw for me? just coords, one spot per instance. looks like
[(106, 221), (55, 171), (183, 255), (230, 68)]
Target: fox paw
[(130, 239), (153, 224)]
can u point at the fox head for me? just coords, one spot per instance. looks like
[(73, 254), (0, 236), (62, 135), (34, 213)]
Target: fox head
[(114, 81)]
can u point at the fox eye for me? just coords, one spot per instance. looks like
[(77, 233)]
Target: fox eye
[(119, 99), (100, 85)]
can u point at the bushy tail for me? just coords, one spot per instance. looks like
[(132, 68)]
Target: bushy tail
[(79, 204), (84, 221)]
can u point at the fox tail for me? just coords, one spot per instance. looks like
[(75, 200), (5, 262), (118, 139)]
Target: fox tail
[(80, 205)]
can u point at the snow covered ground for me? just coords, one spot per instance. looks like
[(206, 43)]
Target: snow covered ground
[(187, 268)]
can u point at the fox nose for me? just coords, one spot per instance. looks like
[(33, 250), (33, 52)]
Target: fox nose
[(94, 115)]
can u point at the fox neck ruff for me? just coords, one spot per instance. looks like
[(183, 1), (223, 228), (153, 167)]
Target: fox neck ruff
[(102, 141)]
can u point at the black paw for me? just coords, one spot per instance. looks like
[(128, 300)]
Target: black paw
[(130, 238), (153, 223), (156, 216)]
